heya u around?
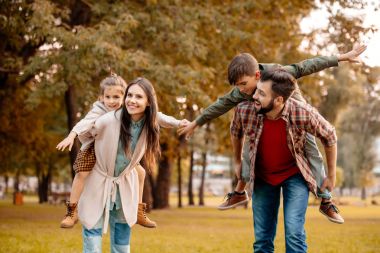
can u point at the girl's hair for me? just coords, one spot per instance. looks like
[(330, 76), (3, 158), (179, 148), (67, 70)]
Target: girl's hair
[(112, 80), (151, 123)]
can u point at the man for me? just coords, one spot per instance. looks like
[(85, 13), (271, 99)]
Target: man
[(244, 73), (276, 127)]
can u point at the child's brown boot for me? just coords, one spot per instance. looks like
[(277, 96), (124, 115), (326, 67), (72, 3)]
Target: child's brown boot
[(71, 217), (142, 219)]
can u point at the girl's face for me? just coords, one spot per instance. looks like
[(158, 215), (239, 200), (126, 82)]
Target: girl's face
[(112, 97), (136, 102)]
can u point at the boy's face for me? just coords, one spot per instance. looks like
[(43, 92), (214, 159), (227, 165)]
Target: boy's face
[(112, 97), (247, 84)]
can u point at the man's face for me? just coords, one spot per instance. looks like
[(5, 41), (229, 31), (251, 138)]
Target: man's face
[(264, 100), (247, 84)]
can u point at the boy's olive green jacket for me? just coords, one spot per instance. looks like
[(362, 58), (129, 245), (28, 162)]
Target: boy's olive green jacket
[(234, 97)]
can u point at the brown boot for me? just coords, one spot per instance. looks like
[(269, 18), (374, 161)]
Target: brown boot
[(142, 219), (71, 217)]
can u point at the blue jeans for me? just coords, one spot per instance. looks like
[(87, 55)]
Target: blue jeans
[(119, 230), (265, 205), (313, 156)]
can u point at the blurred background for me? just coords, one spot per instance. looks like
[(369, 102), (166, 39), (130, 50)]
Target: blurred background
[(53, 54)]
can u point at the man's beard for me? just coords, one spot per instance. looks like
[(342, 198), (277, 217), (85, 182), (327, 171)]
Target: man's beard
[(266, 109)]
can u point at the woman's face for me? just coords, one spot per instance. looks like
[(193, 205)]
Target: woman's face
[(136, 102)]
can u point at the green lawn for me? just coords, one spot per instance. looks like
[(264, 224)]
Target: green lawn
[(35, 228)]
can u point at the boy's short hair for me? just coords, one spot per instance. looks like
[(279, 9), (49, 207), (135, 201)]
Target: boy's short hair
[(243, 64), (283, 83), (112, 80)]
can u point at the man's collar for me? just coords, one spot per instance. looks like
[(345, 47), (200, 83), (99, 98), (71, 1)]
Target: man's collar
[(285, 112)]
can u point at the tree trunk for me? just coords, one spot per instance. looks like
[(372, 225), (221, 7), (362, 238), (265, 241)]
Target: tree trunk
[(161, 193), (16, 184), (44, 180), (147, 194), (201, 187), (364, 193), (43, 188), (190, 186), (179, 167), (179, 181), (204, 164), (80, 15), (71, 111), (6, 179)]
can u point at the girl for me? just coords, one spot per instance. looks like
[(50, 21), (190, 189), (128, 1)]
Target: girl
[(112, 90)]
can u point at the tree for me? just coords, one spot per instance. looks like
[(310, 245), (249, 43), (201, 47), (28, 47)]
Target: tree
[(60, 50), (359, 127)]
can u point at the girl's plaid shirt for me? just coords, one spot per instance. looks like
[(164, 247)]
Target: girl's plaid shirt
[(300, 118)]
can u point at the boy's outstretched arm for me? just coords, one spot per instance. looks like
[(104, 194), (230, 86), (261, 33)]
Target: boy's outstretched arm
[(234, 97), (319, 63), (221, 106), (353, 55)]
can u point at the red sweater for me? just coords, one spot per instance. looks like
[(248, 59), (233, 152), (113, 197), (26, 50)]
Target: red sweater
[(274, 161)]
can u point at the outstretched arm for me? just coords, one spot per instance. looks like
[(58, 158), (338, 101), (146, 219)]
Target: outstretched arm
[(319, 63), (218, 108), (82, 126), (354, 54), (166, 121)]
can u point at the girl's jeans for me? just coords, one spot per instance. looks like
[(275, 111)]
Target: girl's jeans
[(119, 230), (312, 154)]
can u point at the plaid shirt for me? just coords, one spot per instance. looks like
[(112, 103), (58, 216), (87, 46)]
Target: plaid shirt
[(300, 119)]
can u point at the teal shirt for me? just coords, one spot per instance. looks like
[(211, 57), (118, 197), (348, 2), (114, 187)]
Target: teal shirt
[(122, 161)]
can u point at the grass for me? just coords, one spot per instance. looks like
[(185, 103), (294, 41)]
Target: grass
[(35, 228)]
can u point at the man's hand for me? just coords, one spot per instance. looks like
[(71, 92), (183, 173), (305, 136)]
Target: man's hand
[(328, 183), (67, 142), (187, 130), (353, 55)]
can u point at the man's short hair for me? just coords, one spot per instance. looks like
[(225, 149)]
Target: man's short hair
[(283, 83), (243, 64)]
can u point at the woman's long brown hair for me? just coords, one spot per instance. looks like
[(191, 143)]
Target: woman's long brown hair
[(151, 123)]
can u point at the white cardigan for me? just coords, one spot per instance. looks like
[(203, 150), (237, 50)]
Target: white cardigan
[(101, 186)]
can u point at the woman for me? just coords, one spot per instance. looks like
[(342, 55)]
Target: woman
[(122, 139)]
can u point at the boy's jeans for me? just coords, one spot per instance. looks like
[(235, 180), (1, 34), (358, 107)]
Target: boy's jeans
[(312, 154), (119, 230), (265, 205)]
